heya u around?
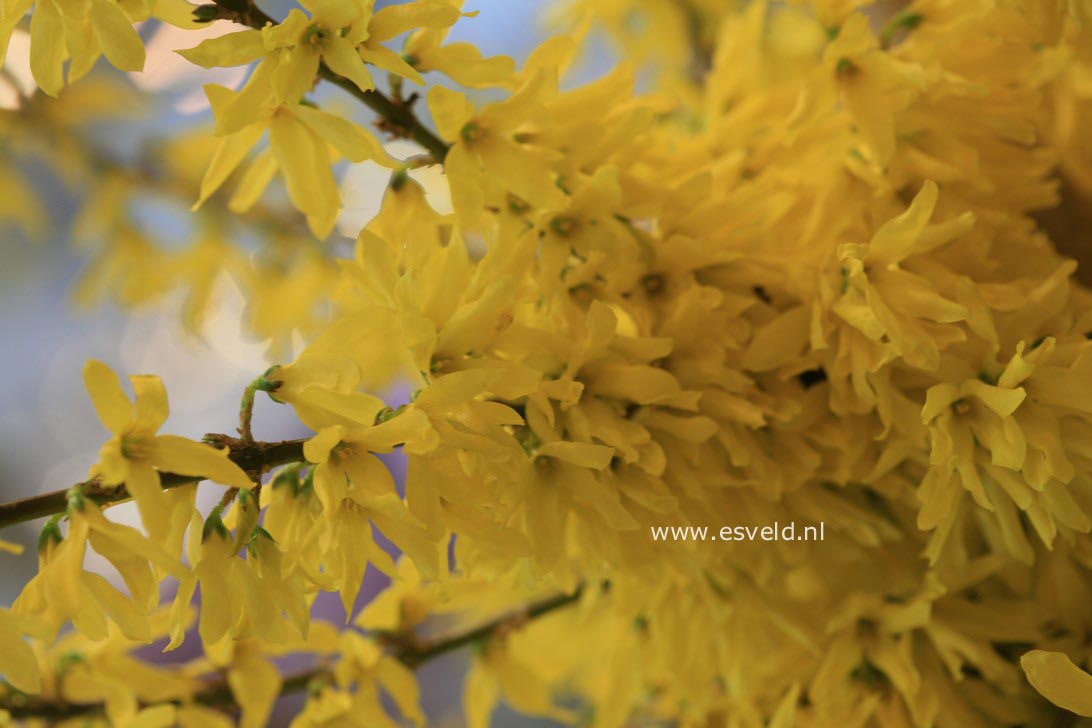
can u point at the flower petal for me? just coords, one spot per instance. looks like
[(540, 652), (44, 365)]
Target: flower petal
[(176, 454), (1058, 680), (343, 59), (233, 49), (317, 449), (17, 662), (450, 111), (116, 36), (255, 685), (355, 143), (143, 485), (47, 54), (584, 454), (114, 409), (151, 401)]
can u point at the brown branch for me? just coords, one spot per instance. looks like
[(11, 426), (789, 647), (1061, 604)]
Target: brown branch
[(218, 693), (416, 654), (253, 457), (398, 116)]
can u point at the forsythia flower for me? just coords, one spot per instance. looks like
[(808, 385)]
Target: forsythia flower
[(136, 455), (890, 305), (355, 490), (341, 34), (62, 590), (486, 144), (301, 140), (425, 50)]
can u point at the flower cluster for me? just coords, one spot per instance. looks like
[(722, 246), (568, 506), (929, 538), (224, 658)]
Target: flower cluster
[(800, 275)]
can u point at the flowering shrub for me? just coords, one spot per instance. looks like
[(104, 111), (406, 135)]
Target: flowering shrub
[(796, 274)]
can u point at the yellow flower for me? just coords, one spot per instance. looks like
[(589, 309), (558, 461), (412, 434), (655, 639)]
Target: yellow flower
[(392, 21), (587, 228), (489, 144), (462, 62), (260, 597), (300, 44), (445, 309), (362, 662), (255, 683), (201, 265), (899, 310), (341, 34), (131, 269), (136, 454), (498, 672), (303, 141), (63, 591), (960, 418), (80, 31), (356, 490), (291, 50), (287, 297), (223, 590), (21, 206), (874, 86), (132, 692), (284, 586), (1004, 442)]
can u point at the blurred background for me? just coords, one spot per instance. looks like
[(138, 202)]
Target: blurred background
[(49, 434)]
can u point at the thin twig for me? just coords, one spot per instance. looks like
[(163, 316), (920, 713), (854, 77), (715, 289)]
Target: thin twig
[(218, 693), (398, 116), (422, 653), (256, 457), (227, 498)]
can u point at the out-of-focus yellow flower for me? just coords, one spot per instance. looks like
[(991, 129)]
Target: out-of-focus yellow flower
[(873, 85), (363, 662), (82, 32), (497, 672), (18, 664), (255, 682)]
